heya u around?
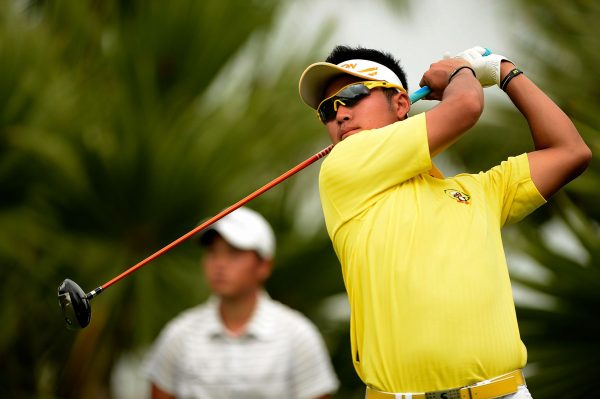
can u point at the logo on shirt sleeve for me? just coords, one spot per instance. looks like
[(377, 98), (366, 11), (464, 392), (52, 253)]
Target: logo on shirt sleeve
[(459, 196)]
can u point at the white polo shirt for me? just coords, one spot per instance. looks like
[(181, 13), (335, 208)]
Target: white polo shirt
[(281, 355)]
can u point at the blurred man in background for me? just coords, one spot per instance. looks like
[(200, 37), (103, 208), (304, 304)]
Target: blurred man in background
[(240, 343)]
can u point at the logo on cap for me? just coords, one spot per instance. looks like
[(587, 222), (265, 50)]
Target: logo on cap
[(367, 71)]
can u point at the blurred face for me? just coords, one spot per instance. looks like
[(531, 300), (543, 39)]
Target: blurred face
[(231, 272), (371, 112)]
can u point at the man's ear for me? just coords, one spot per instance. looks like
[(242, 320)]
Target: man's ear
[(402, 105), (265, 268)]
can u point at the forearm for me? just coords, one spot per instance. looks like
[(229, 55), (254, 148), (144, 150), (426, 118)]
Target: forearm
[(460, 107), (549, 125), (560, 153), (463, 98)]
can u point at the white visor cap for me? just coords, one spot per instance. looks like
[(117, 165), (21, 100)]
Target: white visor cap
[(316, 76), (245, 229)]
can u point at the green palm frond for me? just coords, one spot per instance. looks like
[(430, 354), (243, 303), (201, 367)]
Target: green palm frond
[(562, 339)]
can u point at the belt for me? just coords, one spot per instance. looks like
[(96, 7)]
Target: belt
[(494, 388)]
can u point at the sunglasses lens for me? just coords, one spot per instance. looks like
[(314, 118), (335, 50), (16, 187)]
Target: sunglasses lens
[(348, 96)]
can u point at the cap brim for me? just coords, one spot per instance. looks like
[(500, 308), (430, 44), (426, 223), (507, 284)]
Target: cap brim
[(233, 237), (230, 234), (316, 76)]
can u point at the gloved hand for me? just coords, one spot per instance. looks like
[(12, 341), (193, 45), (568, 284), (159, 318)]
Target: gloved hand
[(487, 68)]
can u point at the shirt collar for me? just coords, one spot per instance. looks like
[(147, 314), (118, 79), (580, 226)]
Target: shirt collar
[(261, 325)]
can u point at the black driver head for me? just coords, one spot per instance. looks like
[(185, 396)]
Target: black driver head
[(74, 304)]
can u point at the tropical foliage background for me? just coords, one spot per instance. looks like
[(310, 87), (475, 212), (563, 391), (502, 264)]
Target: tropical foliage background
[(123, 123)]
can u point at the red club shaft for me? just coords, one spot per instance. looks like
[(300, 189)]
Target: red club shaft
[(218, 216)]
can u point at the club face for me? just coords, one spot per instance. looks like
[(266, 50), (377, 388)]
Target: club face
[(74, 304)]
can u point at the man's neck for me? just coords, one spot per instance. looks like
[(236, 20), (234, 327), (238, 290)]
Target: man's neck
[(236, 312)]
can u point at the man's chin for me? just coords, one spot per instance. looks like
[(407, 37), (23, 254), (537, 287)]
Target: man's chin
[(349, 133), (221, 289)]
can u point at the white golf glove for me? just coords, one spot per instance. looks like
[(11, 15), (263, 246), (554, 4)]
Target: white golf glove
[(487, 68)]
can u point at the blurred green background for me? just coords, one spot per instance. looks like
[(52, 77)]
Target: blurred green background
[(123, 123)]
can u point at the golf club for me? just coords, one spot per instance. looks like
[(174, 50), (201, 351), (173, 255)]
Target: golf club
[(75, 303)]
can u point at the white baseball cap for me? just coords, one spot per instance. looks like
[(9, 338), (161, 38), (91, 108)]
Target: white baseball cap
[(244, 229), (316, 76)]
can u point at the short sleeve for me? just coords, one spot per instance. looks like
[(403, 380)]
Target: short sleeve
[(312, 372), (510, 187), (161, 363), (362, 167)]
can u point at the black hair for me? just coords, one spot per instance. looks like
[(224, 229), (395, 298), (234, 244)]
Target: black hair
[(344, 53), (208, 237)]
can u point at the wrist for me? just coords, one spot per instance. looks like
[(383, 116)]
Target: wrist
[(462, 69), (509, 76), (505, 67)]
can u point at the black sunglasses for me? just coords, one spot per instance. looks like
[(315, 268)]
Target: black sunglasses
[(348, 96)]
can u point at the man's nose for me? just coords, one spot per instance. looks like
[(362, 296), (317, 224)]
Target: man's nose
[(343, 114)]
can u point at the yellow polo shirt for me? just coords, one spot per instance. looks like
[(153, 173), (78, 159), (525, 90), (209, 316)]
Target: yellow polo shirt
[(423, 261)]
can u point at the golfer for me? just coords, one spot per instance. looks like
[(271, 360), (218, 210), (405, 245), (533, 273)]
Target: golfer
[(241, 343), (432, 313)]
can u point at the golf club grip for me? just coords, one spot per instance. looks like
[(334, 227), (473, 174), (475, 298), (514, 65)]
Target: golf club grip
[(419, 94), (218, 216), (425, 90)]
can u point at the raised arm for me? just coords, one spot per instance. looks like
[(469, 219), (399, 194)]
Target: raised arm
[(560, 153), (461, 102)]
